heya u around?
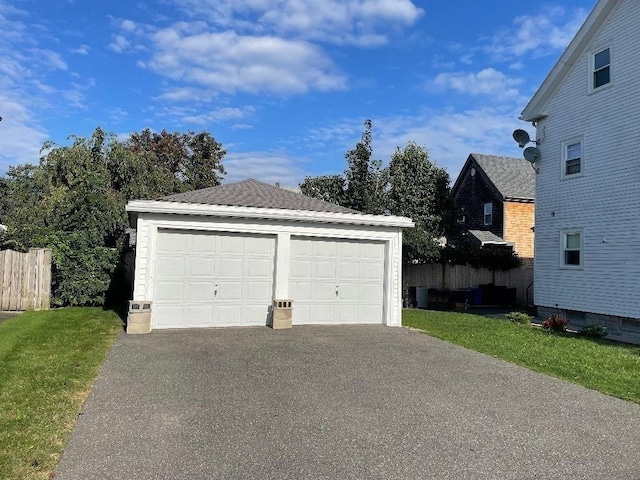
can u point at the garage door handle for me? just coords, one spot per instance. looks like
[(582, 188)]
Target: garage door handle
[(215, 291), (337, 290)]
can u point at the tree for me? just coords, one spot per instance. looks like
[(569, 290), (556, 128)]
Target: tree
[(364, 178), (74, 201), (330, 188), (362, 187), (419, 189)]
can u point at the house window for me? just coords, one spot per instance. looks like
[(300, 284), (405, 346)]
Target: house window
[(572, 248), (601, 68), (572, 158), (488, 213)]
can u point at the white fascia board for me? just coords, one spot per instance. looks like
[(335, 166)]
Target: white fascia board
[(178, 208), (534, 110)]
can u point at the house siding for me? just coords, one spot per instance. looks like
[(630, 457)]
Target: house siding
[(519, 219), (604, 200), (472, 194)]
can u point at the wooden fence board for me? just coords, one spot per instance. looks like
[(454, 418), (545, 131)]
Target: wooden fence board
[(25, 280), (461, 276)]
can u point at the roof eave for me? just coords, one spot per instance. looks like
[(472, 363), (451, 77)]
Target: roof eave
[(534, 111), (179, 208)]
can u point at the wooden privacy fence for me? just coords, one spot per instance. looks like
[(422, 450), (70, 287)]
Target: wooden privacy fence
[(25, 279), (455, 277)]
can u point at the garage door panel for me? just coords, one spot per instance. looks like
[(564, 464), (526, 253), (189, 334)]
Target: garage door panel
[(258, 291), (229, 290), (370, 313), (172, 242), (324, 248), (170, 291), (229, 244), (322, 313), (257, 247), (171, 266), (325, 269), (302, 248), (168, 317), (259, 268), (350, 250), (301, 313), (347, 313), (371, 271), (299, 268), (348, 292), (323, 291), (200, 291), (199, 266), (255, 315), (301, 292), (229, 267), (373, 251), (229, 314), (201, 243), (369, 292), (199, 315), (349, 270)]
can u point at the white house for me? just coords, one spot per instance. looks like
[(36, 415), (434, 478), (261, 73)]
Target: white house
[(221, 256), (587, 119)]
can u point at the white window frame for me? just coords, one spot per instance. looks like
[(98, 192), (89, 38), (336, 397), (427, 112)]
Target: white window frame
[(563, 248), (592, 67), (565, 158), (489, 214)]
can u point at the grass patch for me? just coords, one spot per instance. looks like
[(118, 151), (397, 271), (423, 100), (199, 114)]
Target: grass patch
[(48, 362), (602, 365)]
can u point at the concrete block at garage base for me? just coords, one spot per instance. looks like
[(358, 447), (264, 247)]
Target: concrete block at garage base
[(139, 318), (281, 317)]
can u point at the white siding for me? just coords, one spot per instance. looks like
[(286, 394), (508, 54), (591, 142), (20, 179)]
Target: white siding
[(605, 199)]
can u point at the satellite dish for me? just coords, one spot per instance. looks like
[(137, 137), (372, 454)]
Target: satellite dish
[(531, 154), (522, 137)]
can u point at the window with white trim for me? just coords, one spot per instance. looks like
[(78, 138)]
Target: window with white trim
[(571, 158), (572, 248), (488, 213), (601, 68)]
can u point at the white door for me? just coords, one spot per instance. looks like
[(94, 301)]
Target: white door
[(207, 279), (337, 281)]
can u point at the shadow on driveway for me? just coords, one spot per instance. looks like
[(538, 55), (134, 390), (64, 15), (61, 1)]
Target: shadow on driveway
[(345, 402)]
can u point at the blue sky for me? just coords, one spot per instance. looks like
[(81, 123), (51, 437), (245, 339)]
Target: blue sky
[(284, 85)]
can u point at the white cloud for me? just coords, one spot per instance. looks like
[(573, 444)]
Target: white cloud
[(536, 35), (358, 22), (489, 81), (128, 26), (119, 44), (21, 137), (269, 167), (218, 115), (229, 62), (81, 50)]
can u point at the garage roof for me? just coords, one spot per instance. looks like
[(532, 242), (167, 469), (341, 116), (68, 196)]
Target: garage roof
[(252, 193), (253, 199)]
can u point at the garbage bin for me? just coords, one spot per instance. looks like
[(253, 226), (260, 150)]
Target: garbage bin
[(421, 297)]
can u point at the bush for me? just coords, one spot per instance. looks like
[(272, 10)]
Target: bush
[(594, 331), (519, 318), (555, 323)]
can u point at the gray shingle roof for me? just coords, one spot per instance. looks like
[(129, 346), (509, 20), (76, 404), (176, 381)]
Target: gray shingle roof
[(252, 193), (513, 177), (485, 236)]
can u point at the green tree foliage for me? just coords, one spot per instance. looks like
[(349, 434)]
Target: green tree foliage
[(419, 189), (361, 187), (74, 201)]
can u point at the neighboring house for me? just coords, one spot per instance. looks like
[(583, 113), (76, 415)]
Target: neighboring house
[(495, 198), (221, 256), (587, 259)]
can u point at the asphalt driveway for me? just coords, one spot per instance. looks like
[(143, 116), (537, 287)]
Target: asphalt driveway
[(339, 403)]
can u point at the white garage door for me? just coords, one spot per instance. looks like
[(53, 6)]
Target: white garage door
[(336, 281), (210, 279)]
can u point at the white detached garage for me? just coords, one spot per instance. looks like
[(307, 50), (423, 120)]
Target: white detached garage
[(221, 256)]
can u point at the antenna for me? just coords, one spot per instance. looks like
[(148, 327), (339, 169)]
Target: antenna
[(522, 137)]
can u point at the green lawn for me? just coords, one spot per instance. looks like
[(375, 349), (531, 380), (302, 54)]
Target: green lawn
[(608, 367), (48, 361)]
